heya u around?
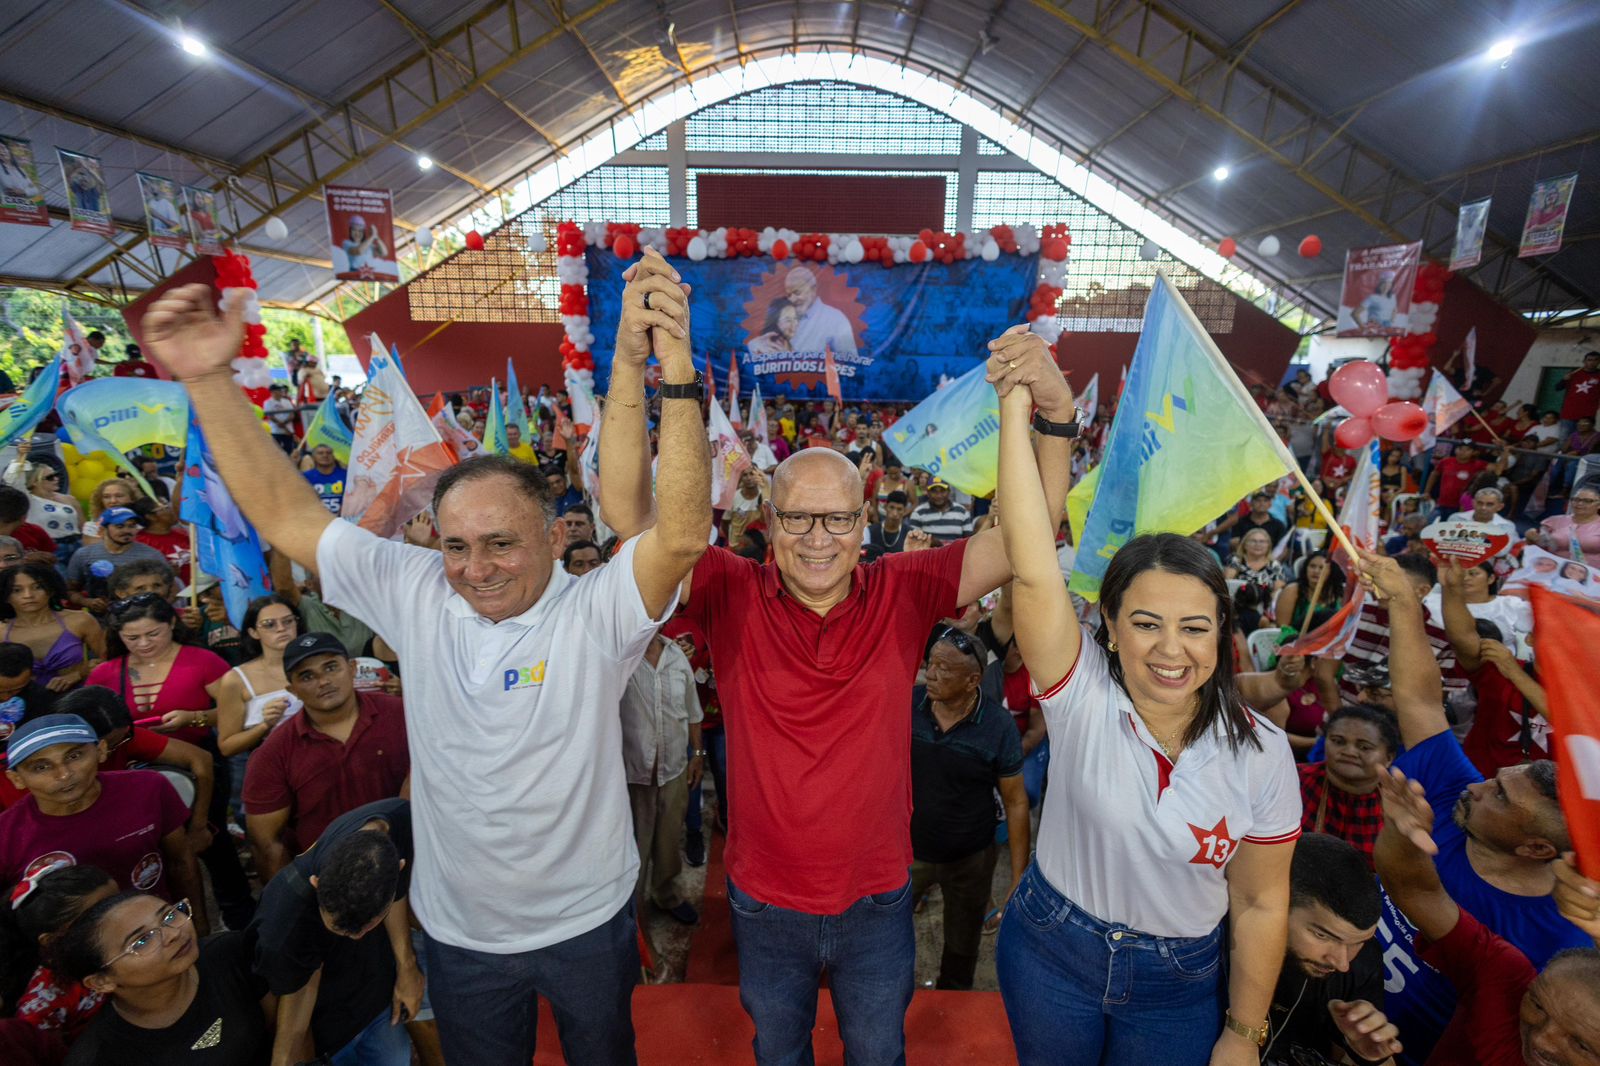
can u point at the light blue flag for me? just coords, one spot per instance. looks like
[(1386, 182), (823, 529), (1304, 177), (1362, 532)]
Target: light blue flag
[(226, 545), (516, 405), (29, 409), (328, 427), (120, 415), (954, 434), (494, 435)]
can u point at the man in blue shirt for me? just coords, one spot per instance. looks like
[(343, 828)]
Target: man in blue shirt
[(1496, 838), (326, 476)]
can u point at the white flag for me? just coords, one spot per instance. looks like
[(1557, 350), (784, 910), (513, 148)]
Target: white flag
[(728, 458), (1444, 407), (757, 420), (1089, 401), (1469, 352), (397, 454), (76, 354), (581, 397)]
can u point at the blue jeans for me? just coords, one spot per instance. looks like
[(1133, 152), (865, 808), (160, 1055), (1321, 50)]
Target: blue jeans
[(487, 1006), (379, 1044), (1083, 991), (870, 954)]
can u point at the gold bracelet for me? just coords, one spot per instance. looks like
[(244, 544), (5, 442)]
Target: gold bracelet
[(199, 719), (1257, 1035), (621, 403)]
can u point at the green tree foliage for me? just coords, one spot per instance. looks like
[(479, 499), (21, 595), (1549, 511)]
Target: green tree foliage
[(30, 328)]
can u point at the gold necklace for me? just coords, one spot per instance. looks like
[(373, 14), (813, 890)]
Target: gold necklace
[(1166, 746)]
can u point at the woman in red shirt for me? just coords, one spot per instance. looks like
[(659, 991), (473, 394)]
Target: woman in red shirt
[(1341, 794)]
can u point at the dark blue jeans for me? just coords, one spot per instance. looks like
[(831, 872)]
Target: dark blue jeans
[(487, 1006), (870, 954), (1080, 990)]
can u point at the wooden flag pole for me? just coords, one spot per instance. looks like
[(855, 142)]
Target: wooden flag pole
[(194, 567), (1327, 515), (1316, 595)]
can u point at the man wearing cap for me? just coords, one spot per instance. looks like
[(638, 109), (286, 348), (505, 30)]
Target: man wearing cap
[(344, 749), (940, 517), (133, 364), (280, 411), (131, 823), (514, 671), (91, 566)]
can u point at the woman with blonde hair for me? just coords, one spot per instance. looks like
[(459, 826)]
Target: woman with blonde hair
[(49, 508), (112, 492)]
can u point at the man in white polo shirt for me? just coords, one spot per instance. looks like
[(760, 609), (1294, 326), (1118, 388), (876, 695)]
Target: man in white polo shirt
[(514, 670)]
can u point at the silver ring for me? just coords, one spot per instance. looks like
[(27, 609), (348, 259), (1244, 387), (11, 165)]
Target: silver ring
[(647, 301)]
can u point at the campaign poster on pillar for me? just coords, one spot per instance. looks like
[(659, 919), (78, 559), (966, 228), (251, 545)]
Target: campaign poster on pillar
[(88, 202), (201, 207), (361, 233), (1547, 216), (1470, 226), (162, 215), (1376, 300), (21, 196), (890, 334)]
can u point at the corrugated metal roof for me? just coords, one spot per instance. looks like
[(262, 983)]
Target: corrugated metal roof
[(1415, 112)]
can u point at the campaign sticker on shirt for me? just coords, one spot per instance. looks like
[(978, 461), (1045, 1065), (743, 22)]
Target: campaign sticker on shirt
[(1469, 542), (102, 568), (11, 712), (147, 871), (370, 674)]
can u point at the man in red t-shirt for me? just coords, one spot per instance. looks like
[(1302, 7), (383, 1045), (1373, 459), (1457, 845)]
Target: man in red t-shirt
[(1337, 469), (1453, 476), (1508, 1014), (130, 824), (815, 658), (1582, 387), (134, 365), (344, 749)]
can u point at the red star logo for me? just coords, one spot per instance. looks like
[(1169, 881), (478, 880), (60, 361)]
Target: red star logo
[(1215, 844)]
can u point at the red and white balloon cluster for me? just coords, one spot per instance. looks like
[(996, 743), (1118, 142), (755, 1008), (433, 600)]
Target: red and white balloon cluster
[(572, 272), (732, 242), (1360, 388), (1408, 355), (1054, 247), (237, 286)]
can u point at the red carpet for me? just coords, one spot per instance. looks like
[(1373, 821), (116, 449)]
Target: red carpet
[(703, 1025), (712, 958)]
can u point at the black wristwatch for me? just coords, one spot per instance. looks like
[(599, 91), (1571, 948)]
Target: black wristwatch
[(1054, 429), (689, 390)]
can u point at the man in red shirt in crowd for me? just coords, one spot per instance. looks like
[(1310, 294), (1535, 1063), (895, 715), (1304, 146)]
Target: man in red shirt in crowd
[(1508, 1014), (1453, 476), (815, 658), (343, 750), (134, 365), (1582, 387), (14, 523), (1337, 469)]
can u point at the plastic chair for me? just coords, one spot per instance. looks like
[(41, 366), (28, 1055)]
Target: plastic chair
[(1263, 645), (1234, 585)]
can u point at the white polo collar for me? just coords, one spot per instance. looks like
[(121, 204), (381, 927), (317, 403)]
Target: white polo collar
[(457, 605)]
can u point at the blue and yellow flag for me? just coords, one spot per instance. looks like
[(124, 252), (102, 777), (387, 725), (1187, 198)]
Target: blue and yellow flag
[(226, 545), (953, 434), (494, 434), (1188, 443), (119, 415), (29, 409), (517, 415), (327, 427)]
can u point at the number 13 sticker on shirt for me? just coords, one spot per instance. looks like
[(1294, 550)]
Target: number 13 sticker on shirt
[(1470, 542)]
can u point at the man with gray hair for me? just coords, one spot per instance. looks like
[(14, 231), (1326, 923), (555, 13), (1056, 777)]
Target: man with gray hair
[(514, 670), (1486, 505), (820, 327), (11, 552)]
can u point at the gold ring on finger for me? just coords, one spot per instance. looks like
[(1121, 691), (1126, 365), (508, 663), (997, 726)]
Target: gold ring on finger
[(1011, 365)]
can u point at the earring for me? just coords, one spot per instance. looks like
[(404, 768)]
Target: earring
[(1111, 647)]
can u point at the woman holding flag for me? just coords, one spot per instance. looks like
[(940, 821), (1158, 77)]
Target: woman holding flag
[(1168, 809)]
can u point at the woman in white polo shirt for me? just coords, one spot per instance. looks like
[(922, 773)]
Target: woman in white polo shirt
[(1168, 808)]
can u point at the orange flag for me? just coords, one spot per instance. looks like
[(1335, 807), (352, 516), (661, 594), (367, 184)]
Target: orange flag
[(1568, 632), (830, 371)]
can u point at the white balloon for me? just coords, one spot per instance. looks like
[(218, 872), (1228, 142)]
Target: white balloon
[(697, 249), (538, 242), (424, 238), (855, 252), (1268, 246), (275, 228), (991, 251)]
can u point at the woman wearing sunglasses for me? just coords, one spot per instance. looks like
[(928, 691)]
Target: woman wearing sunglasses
[(168, 995), (50, 507)]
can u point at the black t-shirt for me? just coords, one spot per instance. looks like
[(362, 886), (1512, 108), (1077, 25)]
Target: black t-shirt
[(953, 778), (1300, 1016), (1274, 528), (224, 1025), (292, 943), (890, 542)]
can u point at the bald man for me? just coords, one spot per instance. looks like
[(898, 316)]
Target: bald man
[(815, 661), (820, 326)]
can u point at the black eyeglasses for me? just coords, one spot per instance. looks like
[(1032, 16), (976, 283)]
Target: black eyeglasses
[(137, 600), (799, 523), (964, 643)]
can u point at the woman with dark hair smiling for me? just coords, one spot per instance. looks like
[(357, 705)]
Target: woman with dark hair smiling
[(169, 995), (65, 643), (1170, 806)]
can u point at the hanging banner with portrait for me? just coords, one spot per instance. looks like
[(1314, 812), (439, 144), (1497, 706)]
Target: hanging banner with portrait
[(1471, 223), (1547, 216), (893, 333), (361, 233), (1376, 299), (162, 215), (21, 195), (88, 202), (200, 205)]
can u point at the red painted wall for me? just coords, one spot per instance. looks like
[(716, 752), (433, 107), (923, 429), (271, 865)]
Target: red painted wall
[(821, 203), (1504, 337)]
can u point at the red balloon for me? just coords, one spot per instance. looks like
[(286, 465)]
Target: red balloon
[(1399, 421), (780, 249), (1311, 247), (1353, 433), (1227, 248), (1359, 388), (475, 241), (918, 252), (624, 246), (1054, 249), (925, 236)]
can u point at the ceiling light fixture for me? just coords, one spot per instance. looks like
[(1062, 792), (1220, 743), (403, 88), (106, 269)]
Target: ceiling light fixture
[(1221, 173), (1502, 50), (193, 45), (424, 163)]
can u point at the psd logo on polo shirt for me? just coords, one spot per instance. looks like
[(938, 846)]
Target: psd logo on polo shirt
[(524, 677)]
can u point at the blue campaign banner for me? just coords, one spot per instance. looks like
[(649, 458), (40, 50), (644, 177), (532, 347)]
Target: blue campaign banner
[(895, 332)]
